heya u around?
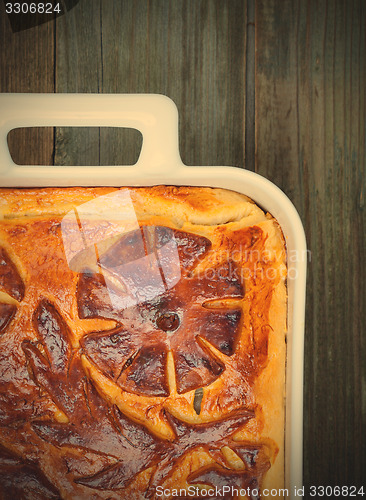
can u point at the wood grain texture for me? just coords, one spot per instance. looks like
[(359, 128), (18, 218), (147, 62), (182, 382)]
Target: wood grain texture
[(27, 65), (310, 134), (191, 50), (78, 70)]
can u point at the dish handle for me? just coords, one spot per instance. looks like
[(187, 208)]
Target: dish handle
[(154, 115)]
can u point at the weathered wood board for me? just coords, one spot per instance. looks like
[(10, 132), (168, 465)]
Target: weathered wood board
[(276, 86)]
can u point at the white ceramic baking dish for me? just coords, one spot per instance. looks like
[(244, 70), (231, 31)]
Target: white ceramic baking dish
[(156, 117)]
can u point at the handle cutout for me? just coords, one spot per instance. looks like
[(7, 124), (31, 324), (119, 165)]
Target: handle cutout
[(74, 146)]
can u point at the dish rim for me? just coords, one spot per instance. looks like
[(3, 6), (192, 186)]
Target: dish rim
[(156, 117)]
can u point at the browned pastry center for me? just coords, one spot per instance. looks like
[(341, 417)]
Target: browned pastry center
[(175, 319), (168, 322)]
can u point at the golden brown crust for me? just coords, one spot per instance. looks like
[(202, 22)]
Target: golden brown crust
[(109, 394)]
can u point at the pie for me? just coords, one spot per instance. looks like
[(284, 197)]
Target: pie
[(142, 344)]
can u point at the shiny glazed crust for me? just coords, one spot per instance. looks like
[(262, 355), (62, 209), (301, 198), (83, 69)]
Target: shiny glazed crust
[(112, 387)]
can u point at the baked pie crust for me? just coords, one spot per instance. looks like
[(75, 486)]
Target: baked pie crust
[(142, 343)]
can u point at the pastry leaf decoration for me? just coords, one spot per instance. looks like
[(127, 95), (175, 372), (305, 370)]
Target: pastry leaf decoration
[(146, 282), (93, 425), (21, 479)]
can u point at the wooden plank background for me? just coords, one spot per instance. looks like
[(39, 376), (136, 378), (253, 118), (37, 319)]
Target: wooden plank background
[(276, 86), (310, 136)]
